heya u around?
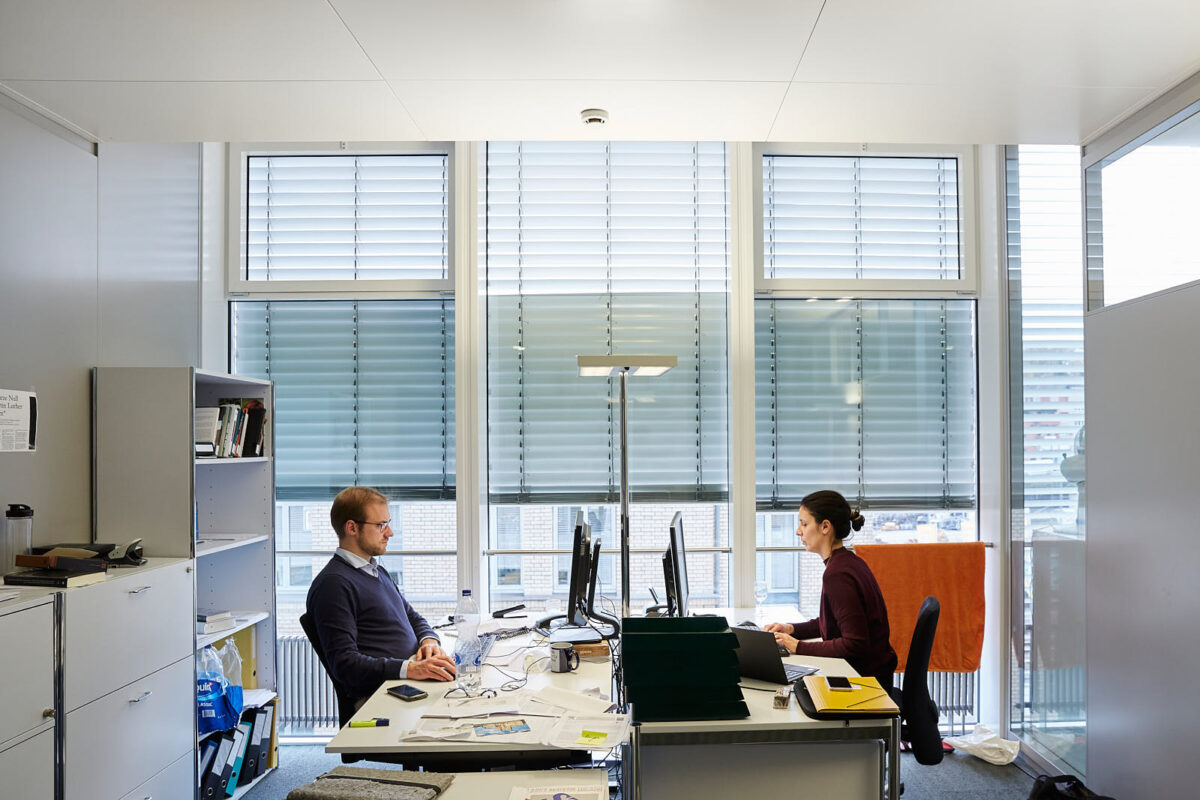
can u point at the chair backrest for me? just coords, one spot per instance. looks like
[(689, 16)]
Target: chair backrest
[(345, 700), (917, 710)]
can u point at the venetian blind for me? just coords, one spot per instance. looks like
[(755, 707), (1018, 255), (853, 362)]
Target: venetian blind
[(364, 393), (597, 247)]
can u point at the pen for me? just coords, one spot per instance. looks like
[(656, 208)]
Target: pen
[(375, 722)]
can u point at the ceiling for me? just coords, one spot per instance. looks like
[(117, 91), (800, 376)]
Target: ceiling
[(921, 71)]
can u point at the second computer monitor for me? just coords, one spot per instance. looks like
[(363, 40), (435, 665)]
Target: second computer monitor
[(676, 576), (581, 557)]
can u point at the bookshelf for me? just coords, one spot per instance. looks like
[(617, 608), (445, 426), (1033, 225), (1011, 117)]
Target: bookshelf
[(220, 512)]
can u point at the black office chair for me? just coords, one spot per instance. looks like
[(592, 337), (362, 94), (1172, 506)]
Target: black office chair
[(918, 713), (345, 699)]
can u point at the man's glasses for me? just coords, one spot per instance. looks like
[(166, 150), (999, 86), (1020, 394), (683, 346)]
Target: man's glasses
[(385, 525)]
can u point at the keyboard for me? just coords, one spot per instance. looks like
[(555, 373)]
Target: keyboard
[(486, 640)]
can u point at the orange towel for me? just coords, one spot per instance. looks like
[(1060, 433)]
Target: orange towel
[(951, 572)]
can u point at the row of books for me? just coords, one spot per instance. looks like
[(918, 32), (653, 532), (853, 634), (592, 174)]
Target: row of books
[(234, 428), (236, 757), (57, 571)]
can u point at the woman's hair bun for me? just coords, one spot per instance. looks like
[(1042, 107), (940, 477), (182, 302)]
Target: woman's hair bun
[(856, 520)]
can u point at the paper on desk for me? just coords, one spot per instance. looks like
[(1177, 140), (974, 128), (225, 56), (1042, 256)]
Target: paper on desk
[(554, 791), (588, 731), (9, 594), (576, 701), (468, 707), (443, 730)]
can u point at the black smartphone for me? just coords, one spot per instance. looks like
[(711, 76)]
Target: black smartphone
[(406, 692), (838, 684)]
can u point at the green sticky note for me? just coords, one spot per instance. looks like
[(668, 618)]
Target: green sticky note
[(591, 738)]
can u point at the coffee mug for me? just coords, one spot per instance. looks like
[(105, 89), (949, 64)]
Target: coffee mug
[(563, 657)]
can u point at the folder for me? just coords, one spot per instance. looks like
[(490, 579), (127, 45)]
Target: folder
[(263, 720), (250, 760), (213, 786), (868, 698), (208, 749), (235, 759)]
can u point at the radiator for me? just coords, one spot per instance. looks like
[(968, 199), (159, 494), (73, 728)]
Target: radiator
[(307, 703), (956, 695)]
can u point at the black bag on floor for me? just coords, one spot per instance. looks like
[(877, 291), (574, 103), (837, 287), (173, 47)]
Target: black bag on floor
[(1062, 787)]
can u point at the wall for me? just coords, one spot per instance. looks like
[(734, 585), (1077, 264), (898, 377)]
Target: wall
[(1143, 471), (98, 262)]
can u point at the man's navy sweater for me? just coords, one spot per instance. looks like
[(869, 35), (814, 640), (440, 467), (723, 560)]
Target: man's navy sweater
[(366, 627)]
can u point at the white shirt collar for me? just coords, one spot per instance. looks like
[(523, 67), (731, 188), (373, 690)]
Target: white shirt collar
[(358, 562)]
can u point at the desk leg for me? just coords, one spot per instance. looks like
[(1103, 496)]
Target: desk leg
[(893, 760), (631, 788)]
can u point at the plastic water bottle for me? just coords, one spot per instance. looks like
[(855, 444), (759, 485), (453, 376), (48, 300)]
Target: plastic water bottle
[(468, 663)]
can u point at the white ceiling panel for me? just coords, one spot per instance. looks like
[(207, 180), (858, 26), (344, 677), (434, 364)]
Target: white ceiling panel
[(248, 111), (1068, 43), (548, 110), (755, 40), (949, 115), (177, 40)]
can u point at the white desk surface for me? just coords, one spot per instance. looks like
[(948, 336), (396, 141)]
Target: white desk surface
[(404, 715), (498, 785)]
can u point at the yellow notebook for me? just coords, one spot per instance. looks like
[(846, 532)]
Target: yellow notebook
[(868, 698)]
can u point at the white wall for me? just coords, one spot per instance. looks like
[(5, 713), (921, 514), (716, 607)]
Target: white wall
[(1143, 595), (98, 263)]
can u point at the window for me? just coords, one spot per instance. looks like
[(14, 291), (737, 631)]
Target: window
[(870, 221), (595, 247), (1048, 689), (326, 221), (364, 395), (1140, 198), (864, 354)]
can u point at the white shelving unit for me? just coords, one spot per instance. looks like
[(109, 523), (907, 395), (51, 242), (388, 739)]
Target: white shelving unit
[(149, 484)]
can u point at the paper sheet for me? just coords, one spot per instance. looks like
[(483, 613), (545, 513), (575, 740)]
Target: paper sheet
[(532, 730), (559, 791), (589, 731), (580, 702)]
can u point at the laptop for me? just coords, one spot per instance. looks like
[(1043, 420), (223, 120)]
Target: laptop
[(758, 657)]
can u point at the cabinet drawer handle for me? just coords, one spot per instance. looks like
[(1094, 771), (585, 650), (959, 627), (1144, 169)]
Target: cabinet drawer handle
[(143, 697), (139, 590), (47, 713)]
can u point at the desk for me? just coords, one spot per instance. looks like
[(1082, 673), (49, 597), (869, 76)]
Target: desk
[(385, 742), (679, 759)]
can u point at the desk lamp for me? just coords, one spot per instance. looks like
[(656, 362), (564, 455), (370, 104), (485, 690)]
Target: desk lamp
[(623, 366)]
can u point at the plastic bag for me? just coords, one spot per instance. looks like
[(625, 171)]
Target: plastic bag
[(214, 708), (982, 743), (231, 662)]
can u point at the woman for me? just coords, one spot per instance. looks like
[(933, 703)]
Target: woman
[(853, 623)]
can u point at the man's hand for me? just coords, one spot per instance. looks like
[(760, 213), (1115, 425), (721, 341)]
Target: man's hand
[(429, 648), (779, 627), (432, 668), (780, 639)]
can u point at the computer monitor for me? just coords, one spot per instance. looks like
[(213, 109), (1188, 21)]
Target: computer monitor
[(675, 569), (576, 614), (593, 577)]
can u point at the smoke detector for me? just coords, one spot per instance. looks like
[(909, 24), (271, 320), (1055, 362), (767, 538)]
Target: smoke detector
[(593, 116)]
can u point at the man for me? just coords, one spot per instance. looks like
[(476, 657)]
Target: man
[(367, 629)]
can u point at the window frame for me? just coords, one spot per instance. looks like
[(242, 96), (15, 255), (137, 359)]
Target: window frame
[(237, 286), (967, 285)]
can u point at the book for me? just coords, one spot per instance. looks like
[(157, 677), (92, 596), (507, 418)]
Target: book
[(209, 616), (54, 561), (206, 422), (868, 697), (58, 578), (247, 435), (216, 625)]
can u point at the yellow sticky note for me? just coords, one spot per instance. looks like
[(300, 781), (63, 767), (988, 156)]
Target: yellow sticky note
[(591, 738)]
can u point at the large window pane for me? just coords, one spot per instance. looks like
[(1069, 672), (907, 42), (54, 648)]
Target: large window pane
[(1048, 676), (597, 248)]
